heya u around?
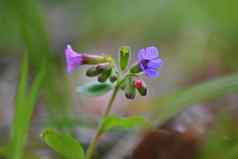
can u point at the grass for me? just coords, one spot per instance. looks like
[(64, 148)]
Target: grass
[(167, 106), (25, 103)]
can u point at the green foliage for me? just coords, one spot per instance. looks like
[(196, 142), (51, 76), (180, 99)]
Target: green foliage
[(32, 29), (223, 137), (95, 89), (33, 36), (25, 103), (172, 104), (4, 151), (64, 144), (124, 57), (112, 122)]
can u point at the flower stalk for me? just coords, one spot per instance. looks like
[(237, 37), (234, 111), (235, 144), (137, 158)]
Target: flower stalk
[(93, 144)]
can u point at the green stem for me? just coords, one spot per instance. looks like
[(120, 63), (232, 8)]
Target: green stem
[(95, 140)]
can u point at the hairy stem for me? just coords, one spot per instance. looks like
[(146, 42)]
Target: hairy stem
[(95, 140)]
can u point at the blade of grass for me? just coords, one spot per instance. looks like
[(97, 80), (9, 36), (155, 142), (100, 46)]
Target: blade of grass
[(38, 82), (22, 85), (15, 148), (24, 107), (172, 104), (34, 35)]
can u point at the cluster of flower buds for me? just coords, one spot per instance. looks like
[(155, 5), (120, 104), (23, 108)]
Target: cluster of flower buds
[(104, 68), (134, 86), (103, 71)]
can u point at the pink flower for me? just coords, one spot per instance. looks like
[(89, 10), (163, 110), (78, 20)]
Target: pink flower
[(73, 59)]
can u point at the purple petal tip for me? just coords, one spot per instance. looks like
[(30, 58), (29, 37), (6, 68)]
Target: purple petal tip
[(73, 59)]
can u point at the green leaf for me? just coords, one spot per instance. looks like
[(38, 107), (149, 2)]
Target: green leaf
[(64, 144), (124, 57), (168, 106), (112, 122), (95, 89)]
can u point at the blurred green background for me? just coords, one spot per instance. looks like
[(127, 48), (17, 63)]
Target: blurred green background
[(197, 39)]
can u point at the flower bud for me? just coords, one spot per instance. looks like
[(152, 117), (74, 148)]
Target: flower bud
[(130, 90), (124, 57), (92, 72), (136, 68), (105, 75), (141, 87), (113, 78), (103, 67), (130, 93), (143, 91), (138, 84), (95, 59)]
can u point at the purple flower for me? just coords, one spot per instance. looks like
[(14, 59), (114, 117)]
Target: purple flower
[(149, 61), (73, 59)]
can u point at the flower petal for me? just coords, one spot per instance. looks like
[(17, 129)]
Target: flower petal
[(73, 59), (152, 73), (151, 53), (141, 54), (142, 66), (156, 63)]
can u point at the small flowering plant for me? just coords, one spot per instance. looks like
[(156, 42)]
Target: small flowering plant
[(109, 77)]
